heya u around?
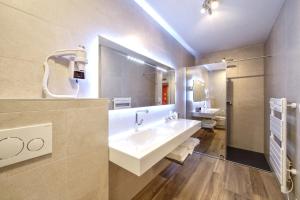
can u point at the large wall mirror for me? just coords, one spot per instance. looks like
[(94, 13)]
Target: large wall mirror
[(132, 80)]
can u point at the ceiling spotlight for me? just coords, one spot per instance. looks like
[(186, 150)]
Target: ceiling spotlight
[(203, 10), (214, 4), (209, 5)]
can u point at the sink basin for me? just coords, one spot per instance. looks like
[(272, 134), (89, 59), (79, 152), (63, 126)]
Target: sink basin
[(139, 151)]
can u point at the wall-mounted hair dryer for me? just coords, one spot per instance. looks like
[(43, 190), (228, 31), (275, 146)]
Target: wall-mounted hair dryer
[(77, 60)]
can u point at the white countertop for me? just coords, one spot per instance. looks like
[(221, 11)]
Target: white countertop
[(206, 112), (139, 151)]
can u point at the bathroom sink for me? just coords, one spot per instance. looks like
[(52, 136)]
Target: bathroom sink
[(138, 151)]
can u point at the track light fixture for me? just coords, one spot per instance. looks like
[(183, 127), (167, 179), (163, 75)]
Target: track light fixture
[(209, 5)]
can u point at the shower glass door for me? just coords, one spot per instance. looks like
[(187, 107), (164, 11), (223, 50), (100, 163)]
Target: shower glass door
[(206, 102)]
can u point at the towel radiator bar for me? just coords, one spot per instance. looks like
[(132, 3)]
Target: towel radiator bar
[(278, 141), (121, 103)]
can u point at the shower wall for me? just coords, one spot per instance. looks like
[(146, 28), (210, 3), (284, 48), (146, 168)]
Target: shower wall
[(282, 76)]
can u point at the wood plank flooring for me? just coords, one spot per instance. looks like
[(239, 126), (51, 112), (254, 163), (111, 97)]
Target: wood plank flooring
[(206, 178), (212, 143)]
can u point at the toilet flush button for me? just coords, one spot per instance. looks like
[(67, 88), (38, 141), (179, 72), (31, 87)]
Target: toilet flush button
[(35, 144), (24, 142), (10, 147)]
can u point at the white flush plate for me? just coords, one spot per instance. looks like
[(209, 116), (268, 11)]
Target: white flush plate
[(23, 143)]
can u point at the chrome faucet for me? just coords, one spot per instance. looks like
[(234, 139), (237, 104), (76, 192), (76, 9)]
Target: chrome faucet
[(172, 115), (138, 121)]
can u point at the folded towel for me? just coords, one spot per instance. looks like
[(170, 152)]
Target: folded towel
[(208, 123), (182, 151), (179, 154)]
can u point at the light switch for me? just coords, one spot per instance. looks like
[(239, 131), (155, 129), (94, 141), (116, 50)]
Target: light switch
[(23, 143)]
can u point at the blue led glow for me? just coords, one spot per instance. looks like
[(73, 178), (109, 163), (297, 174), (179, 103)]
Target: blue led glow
[(148, 9), (161, 69), (135, 60), (136, 47)]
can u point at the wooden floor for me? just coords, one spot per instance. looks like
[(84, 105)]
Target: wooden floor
[(212, 143), (206, 178)]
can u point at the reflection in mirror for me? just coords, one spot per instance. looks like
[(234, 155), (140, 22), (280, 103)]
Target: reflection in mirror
[(198, 91), (131, 80)]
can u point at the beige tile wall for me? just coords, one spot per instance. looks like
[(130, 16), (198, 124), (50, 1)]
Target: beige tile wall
[(282, 76), (247, 111), (78, 167), (32, 29), (124, 185)]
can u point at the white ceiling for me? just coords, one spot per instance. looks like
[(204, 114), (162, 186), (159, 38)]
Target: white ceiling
[(234, 24)]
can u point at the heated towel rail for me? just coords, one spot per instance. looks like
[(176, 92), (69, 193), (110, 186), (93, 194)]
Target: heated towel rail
[(278, 141)]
